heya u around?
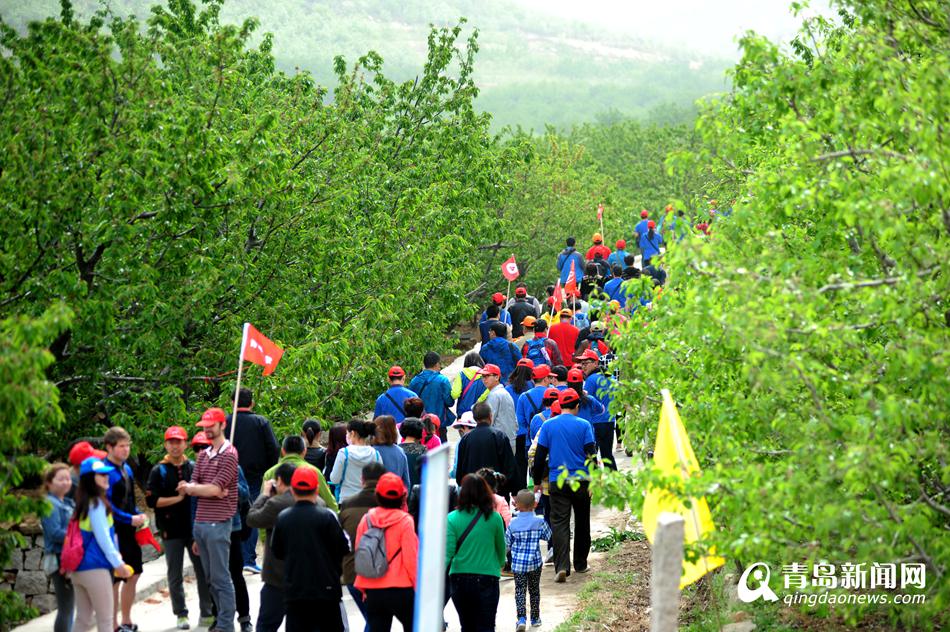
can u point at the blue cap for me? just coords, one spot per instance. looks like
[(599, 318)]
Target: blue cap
[(92, 464)]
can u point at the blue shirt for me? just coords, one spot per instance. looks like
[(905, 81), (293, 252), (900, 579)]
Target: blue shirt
[(484, 323), (650, 247), (501, 352), (528, 405), (601, 387), (537, 421), (523, 539), (515, 397), (616, 258), (435, 390), (641, 229), (590, 409), (395, 461), (613, 290), (564, 265), (390, 402), (565, 437)]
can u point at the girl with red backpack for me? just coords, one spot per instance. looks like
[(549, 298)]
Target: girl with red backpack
[(91, 530)]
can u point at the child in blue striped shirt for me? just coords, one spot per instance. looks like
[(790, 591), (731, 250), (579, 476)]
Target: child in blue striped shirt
[(523, 539)]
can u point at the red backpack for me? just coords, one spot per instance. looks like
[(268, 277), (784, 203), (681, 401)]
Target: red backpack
[(73, 551)]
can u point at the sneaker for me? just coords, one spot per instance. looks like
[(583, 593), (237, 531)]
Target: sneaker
[(561, 577), (535, 623), (246, 625), (522, 626), (252, 568), (127, 627), (549, 558), (205, 622), (586, 569), (183, 623), (506, 572)]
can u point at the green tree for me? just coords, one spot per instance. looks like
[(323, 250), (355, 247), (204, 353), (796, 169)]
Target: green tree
[(807, 339), (29, 401)]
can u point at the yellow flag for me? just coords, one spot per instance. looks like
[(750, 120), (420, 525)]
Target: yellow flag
[(673, 455)]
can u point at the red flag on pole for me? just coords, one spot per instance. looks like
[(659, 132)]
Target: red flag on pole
[(558, 296), (509, 269), (600, 212), (570, 287), (260, 350)]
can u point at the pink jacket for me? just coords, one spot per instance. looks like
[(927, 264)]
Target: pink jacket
[(402, 547), (501, 506)]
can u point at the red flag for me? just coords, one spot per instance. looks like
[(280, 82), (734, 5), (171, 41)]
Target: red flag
[(570, 288), (558, 296), (600, 212), (259, 350), (509, 269)]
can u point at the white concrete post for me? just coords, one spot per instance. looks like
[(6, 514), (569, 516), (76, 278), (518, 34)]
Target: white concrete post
[(666, 572)]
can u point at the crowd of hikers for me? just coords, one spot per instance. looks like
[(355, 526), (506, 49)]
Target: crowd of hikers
[(532, 402)]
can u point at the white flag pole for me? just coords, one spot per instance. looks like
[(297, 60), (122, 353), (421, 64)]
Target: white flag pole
[(237, 387), (430, 600)]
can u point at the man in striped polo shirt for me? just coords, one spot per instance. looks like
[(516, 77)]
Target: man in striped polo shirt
[(214, 484)]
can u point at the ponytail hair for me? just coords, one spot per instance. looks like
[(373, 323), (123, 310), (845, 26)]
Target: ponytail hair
[(311, 430)]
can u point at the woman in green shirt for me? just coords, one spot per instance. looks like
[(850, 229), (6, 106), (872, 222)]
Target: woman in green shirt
[(475, 554)]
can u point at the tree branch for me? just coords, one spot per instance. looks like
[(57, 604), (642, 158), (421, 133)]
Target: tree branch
[(833, 287)]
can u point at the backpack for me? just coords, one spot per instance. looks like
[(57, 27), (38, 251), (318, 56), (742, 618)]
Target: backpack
[(537, 352), (370, 559), (73, 550)]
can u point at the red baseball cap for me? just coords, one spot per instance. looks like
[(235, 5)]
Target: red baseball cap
[(305, 479), (587, 355), (540, 372), (391, 486), (82, 451), (556, 408), (575, 376), (396, 371), (200, 439), (651, 224), (498, 298), (621, 243), (551, 394), (644, 214), (211, 417), (176, 432), (434, 419), (526, 362), (568, 398), (521, 291), (490, 369)]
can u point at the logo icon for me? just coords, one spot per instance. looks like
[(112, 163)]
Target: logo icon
[(761, 573)]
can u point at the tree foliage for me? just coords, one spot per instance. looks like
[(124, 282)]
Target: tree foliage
[(27, 399), (807, 339)]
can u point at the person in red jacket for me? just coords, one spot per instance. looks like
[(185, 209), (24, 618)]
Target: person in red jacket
[(565, 335), (598, 247), (393, 594)]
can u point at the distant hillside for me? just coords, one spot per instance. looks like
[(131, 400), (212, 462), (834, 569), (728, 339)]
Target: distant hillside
[(532, 69)]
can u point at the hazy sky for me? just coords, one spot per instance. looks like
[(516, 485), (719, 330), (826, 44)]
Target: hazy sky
[(707, 26)]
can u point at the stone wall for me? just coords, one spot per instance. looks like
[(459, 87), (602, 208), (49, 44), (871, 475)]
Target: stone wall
[(25, 574)]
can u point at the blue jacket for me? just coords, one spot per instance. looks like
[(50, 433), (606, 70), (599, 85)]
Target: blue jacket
[(435, 390), (503, 353), (601, 387), (616, 258), (100, 547), (390, 402), (484, 323), (564, 264), (120, 516), (54, 525)]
